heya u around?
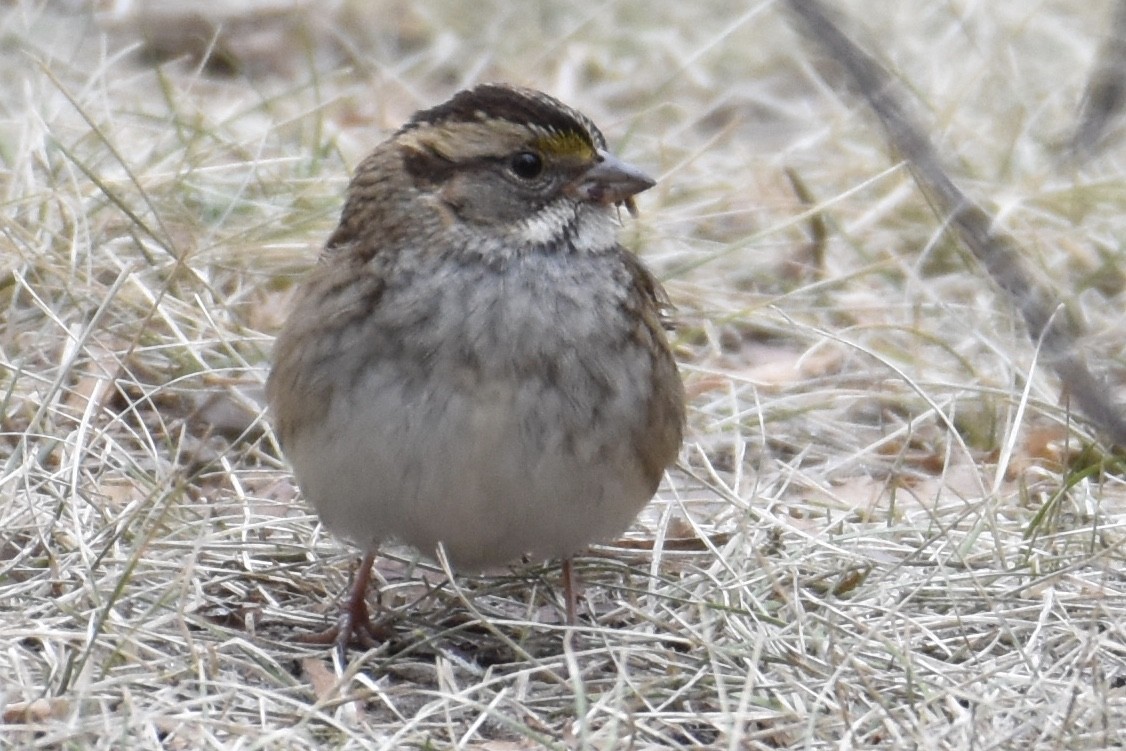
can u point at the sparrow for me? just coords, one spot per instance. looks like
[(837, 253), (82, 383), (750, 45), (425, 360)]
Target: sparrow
[(476, 362)]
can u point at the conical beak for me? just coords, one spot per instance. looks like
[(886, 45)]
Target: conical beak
[(611, 181)]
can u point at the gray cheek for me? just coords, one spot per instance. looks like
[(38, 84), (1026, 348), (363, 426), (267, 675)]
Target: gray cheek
[(485, 199)]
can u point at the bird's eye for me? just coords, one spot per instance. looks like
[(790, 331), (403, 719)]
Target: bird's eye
[(526, 165)]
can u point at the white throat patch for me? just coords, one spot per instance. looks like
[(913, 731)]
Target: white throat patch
[(590, 228)]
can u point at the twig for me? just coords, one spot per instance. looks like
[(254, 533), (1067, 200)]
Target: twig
[(1048, 320)]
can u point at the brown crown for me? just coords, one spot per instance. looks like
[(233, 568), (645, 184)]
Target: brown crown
[(513, 104)]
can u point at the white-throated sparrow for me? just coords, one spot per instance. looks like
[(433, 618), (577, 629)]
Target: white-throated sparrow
[(476, 361)]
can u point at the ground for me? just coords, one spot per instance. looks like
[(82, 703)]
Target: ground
[(888, 528)]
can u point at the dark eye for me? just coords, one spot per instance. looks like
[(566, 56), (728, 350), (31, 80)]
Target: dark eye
[(526, 165)]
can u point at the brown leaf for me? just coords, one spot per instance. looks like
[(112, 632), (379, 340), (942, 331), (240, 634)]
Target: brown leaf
[(95, 386), (321, 678), (34, 711)]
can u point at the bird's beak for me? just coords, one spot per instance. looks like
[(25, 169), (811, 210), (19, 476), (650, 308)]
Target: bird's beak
[(611, 181)]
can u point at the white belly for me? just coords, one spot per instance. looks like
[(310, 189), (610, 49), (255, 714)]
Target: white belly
[(466, 473)]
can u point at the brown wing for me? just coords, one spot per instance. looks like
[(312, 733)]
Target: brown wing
[(659, 438)]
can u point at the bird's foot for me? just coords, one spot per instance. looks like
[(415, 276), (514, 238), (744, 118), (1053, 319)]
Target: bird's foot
[(354, 626)]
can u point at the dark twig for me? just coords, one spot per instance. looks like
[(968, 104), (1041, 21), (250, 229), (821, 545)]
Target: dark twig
[(1048, 320), (1105, 97)]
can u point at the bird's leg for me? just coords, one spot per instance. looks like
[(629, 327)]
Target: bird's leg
[(570, 597), (355, 622)]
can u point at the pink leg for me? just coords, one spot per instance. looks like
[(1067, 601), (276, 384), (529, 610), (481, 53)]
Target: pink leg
[(355, 622), (569, 595)]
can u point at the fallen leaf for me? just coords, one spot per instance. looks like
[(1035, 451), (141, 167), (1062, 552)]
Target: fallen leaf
[(321, 678), (34, 711)]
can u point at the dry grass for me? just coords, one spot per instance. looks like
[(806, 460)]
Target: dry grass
[(887, 530)]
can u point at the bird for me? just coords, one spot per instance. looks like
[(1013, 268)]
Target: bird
[(475, 361)]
